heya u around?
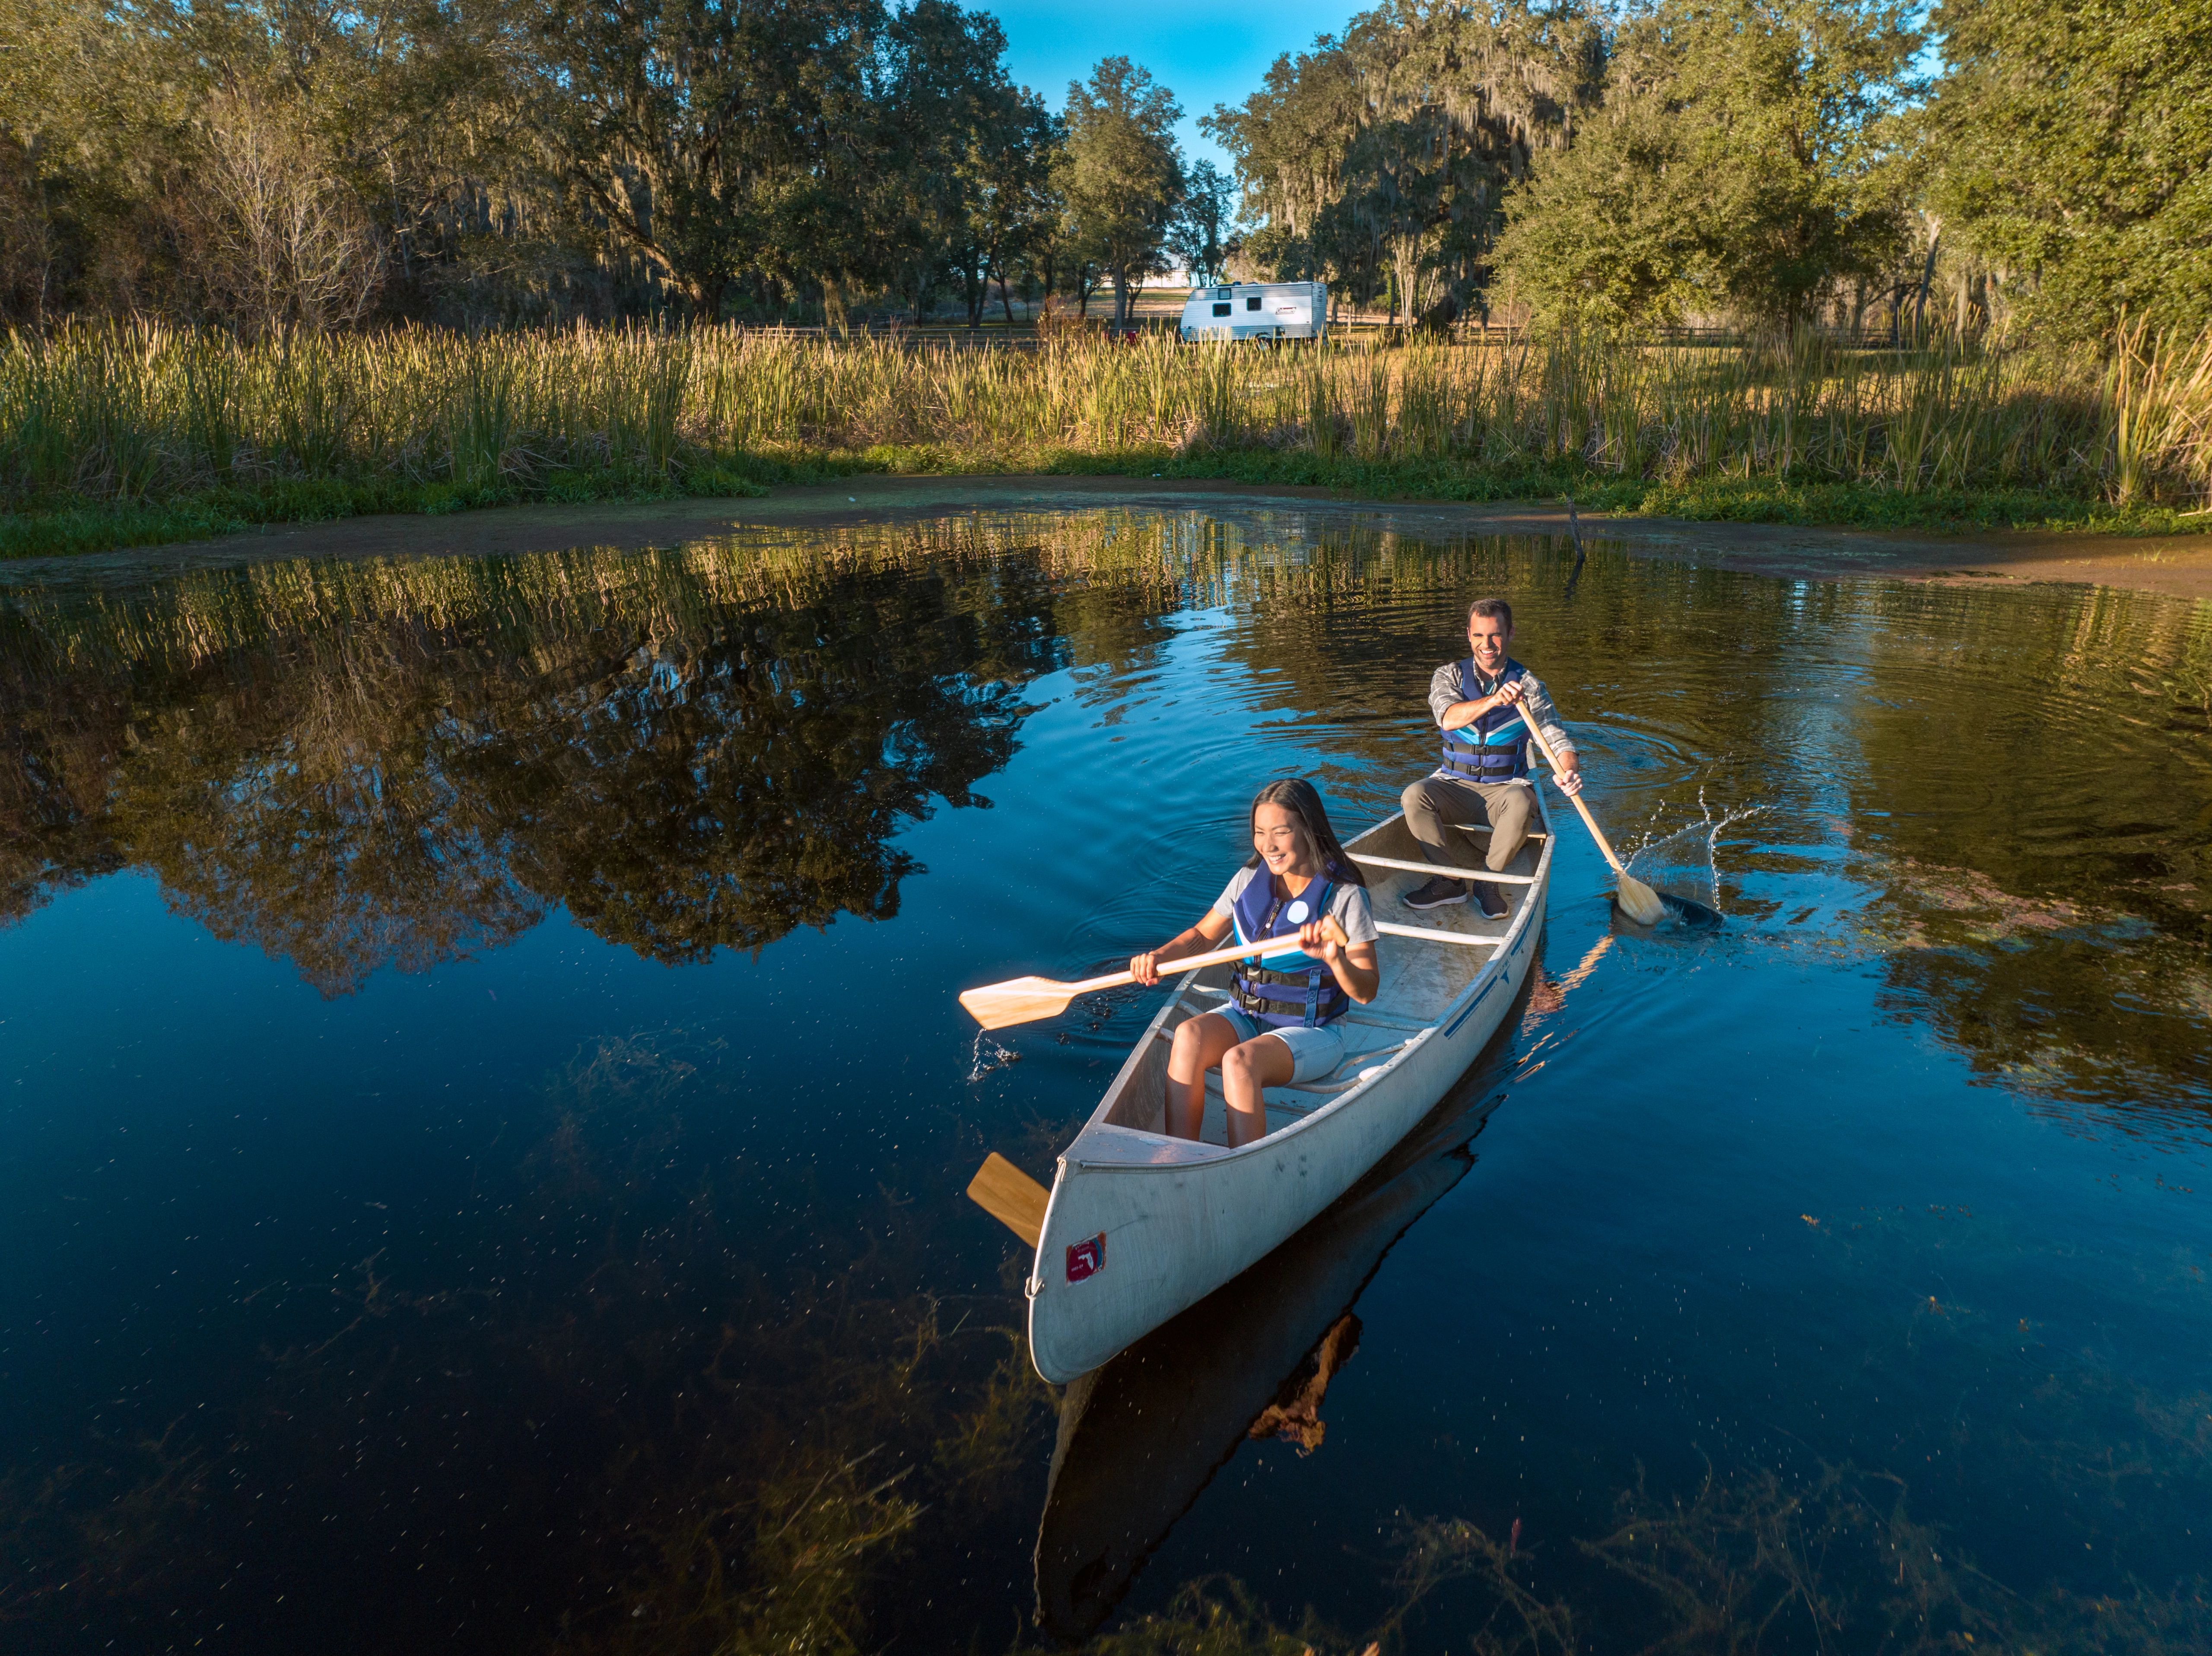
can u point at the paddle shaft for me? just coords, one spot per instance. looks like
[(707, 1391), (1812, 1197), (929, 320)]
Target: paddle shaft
[(1283, 945), (1576, 798)]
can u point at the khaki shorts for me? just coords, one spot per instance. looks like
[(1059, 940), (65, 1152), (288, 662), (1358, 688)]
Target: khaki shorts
[(1316, 1049)]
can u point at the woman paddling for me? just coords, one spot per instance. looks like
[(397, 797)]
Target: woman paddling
[(1282, 1027)]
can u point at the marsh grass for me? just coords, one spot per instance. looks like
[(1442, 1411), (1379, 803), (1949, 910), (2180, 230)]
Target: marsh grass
[(114, 433)]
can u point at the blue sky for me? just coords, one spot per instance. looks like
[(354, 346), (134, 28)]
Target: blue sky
[(1205, 54)]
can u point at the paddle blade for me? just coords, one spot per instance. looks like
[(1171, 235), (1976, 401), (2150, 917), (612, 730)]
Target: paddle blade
[(1009, 1196), (1640, 902), (1022, 1000)]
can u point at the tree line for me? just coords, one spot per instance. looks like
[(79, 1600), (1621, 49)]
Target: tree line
[(270, 163), (273, 163), (1760, 161)]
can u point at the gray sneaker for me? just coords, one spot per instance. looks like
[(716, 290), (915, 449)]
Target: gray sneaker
[(1490, 899), (1438, 893)]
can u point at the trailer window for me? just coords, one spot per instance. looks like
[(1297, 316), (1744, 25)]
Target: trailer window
[(1221, 293), (1222, 310), (1253, 303)]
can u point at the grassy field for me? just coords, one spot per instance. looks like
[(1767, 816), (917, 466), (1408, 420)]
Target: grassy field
[(132, 433)]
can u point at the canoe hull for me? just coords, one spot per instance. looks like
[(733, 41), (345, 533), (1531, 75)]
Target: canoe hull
[(1140, 1438), (1140, 1227)]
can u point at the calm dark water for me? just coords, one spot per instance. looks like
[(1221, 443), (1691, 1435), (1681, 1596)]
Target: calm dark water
[(483, 1114)]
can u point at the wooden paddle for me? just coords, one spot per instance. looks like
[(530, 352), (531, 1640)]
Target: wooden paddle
[(1024, 1000), (1009, 1196), (1638, 901)]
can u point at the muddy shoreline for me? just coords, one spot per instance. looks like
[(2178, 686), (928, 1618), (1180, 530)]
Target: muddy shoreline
[(2175, 566)]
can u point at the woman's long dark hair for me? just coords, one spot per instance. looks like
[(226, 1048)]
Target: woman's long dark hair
[(1303, 800)]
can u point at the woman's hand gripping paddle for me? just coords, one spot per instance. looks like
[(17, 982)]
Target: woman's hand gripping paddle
[(1024, 1000), (1638, 901)]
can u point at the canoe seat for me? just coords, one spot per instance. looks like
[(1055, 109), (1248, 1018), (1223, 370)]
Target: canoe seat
[(1372, 1038), (1368, 1018), (1484, 827), (1359, 1023), (1359, 1063), (1319, 1092)]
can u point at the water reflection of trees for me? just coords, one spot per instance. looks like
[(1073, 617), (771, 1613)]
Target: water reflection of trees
[(1671, 663), (2033, 804), (715, 791), (355, 765), (381, 773)]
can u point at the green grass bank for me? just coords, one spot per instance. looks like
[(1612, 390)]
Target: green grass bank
[(137, 434)]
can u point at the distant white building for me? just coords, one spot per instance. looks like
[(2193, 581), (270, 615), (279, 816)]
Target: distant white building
[(1257, 310)]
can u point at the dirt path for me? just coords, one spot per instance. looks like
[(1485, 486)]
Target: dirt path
[(2179, 566)]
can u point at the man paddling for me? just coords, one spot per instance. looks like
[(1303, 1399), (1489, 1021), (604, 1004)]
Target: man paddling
[(1479, 704)]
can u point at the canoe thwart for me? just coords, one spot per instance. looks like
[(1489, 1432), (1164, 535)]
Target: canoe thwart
[(1009, 1196), (1448, 871), (1431, 934)]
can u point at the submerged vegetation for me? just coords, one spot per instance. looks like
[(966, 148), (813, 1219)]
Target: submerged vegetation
[(721, 1485), (116, 434), (1765, 1563)]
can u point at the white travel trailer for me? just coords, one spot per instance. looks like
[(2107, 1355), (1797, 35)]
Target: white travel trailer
[(1257, 310)]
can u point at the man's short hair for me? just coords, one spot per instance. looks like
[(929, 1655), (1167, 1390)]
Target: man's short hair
[(1493, 607)]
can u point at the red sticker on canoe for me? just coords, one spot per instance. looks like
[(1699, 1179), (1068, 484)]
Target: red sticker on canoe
[(1084, 1259)]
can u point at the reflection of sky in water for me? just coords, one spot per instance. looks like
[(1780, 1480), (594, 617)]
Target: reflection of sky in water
[(451, 1186)]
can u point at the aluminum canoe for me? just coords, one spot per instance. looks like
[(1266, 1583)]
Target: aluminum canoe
[(1141, 1226)]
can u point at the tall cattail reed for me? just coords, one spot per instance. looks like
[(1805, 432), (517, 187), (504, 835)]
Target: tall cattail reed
[(144, 411)]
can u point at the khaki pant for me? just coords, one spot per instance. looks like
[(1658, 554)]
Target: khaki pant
[(1437, 802)]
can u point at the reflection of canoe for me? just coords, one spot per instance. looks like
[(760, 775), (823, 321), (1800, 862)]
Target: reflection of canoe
[(1140, 1225), (1141, 1437)]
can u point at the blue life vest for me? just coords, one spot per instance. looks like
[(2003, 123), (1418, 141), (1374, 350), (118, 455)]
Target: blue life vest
[(1495, 747), (1284, 989)]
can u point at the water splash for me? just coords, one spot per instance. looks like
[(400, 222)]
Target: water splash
[(1711, 826), (989, 1055)]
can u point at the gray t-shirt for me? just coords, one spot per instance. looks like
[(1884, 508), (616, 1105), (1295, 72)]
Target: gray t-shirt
[(1347, 901)]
